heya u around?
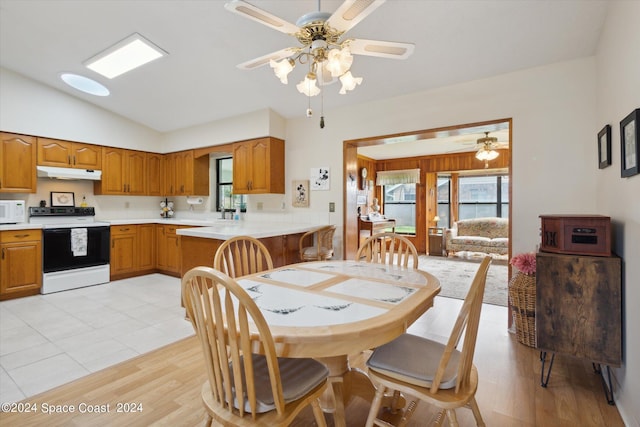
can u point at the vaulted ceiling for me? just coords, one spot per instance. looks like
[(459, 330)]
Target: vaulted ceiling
[(198, 82)]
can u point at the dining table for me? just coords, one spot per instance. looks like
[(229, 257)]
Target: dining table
[(328, 310)]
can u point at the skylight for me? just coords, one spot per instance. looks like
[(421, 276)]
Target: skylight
[(84, 84), (130, 53)]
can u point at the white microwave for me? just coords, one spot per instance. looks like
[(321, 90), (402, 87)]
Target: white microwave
[(12, 211)]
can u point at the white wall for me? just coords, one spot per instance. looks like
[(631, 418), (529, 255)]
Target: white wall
[(553, 111), (31, 108), (618, 94), (256, 124)]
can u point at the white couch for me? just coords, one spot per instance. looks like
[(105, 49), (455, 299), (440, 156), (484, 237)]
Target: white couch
[(488, 235)]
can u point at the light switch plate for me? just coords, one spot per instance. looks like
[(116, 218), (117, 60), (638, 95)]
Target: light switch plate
[(332, 207)]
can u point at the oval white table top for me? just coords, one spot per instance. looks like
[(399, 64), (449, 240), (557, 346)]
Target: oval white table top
[(331, 308)]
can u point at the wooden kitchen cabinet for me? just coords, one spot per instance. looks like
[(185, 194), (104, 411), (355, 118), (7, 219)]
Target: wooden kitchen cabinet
[(20, 263), (195, 251), (123, 172), (258, 166), (132, 250), (146, 247), (168, 249), (67, 154), (18, 155), (155, 165), (124, 253), (186, 175)]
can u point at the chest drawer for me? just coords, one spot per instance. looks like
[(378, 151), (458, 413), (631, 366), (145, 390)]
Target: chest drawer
[(123, 230), (20, 236)]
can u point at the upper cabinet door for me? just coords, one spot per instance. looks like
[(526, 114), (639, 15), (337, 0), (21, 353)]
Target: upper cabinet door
[(113, 164), (154, 174), (135, 172), (66, 154), (258, 166), (87, 156), (17, 163), (52, 152)]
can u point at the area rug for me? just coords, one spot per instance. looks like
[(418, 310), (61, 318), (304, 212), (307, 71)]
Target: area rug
[(456, 275)]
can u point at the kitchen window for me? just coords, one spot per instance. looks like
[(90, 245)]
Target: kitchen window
[(224, 187)]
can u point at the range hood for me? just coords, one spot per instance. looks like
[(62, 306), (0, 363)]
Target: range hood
[(68, 173)]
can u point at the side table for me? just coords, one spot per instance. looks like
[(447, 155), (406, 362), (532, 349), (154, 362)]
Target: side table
[(435, 236)]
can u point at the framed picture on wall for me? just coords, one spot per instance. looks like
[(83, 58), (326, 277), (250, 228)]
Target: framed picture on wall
[(59, 199), (300, 194), (630, 143), (320, 178), (604, 147)]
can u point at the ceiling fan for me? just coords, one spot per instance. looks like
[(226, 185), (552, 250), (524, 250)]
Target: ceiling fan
[(487, 149), (321, 44)]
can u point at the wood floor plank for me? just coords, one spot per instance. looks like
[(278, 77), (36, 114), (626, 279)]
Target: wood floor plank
[(167, 381)]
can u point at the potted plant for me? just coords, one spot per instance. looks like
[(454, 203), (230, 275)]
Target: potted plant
[(522, 295)]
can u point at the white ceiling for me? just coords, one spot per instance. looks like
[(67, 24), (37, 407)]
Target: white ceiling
[(455, 41)]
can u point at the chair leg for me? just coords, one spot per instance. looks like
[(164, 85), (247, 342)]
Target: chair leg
[(394, 402), (375, 405), (408, 413), (442, 415), (318, 414), (476, 412), (453, 419)]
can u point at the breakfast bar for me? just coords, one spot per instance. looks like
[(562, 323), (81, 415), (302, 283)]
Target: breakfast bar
[(198, 245)]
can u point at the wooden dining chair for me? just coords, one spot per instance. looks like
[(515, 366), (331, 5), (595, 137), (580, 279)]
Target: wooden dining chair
[(321, 247), (433, 372), (388, 248), (245, 388), (242, 255)]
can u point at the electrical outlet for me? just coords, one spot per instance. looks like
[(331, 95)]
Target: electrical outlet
[(332, 207), (259, 206), (126, 205)]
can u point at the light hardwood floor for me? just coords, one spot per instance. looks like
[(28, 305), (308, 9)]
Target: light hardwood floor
[(163, 386)]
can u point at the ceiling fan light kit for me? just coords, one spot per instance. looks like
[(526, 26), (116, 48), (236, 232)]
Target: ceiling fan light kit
[(319, 34), (486, 152)]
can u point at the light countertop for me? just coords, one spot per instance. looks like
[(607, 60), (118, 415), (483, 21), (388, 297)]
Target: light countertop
[(223, 229), (20, 226), (259, 229), (207, 229)]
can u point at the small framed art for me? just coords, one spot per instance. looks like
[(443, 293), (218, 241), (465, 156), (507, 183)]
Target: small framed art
[(320, 178), (62, 199), (300, 194), (604, 147), (630, 143)]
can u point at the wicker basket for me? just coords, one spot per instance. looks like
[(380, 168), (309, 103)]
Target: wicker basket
[(522, 294)]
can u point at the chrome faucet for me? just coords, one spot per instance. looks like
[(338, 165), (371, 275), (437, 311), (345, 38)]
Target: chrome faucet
[(223, 211)]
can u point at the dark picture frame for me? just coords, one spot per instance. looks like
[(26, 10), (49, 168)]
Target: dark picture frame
[(62, 198), (604, 147), (630, 144)]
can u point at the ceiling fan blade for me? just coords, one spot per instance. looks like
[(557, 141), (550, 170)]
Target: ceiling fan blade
[(383, 49), (264, 60), (247, 10), (351, 12)]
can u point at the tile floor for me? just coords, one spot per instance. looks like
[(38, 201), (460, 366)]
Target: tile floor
[(49, 340)]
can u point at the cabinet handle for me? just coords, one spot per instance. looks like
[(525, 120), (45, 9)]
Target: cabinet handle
[(112, 244), (2, 253), (74, 160), (20, 236), (124, 229)]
